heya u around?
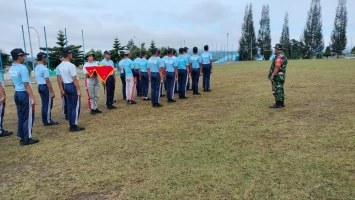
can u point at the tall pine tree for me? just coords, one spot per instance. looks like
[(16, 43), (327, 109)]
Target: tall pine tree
[(115, 57), (338, 38), (312, 34), (285, 36), (264, 38), (247, 43)]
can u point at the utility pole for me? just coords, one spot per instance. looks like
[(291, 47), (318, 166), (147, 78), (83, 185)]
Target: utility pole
[(29, 37)]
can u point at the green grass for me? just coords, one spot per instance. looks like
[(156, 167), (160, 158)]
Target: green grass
[(222, 145)]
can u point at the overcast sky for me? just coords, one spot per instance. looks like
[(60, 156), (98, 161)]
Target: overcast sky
[(169, 24)]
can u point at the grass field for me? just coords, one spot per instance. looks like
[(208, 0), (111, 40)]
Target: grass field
[(226, 144)]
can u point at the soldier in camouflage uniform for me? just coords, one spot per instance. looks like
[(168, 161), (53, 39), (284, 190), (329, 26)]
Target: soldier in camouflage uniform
[(277, 76)]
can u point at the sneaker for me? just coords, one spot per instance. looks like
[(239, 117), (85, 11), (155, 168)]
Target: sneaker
[(98, 111), (92, 112), (28, 141), (76, 128), (171, 100), (52, 123), (5, 133)]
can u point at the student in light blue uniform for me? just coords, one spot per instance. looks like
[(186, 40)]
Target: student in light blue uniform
[(155, 72), (61, 87), (71, 89), (110, 84), (143, 76), (196, 65), (122, 76), (24, 98), (171, 69), (176, 90), (183, 66), (128, 67), (136, 67), (186, 53), (45, 89), (206, 69)]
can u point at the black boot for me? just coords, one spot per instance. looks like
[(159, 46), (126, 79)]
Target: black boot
[(282, 104), (276, 105)]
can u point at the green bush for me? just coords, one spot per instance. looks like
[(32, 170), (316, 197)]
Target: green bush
[(267, 54)]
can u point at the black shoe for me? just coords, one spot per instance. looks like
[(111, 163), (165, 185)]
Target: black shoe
[(147, 99), (183, 97), (132, 102), (209, 90), (76, 128), (92, 112), (197, 93), (158, 105), (171, 100), (275, 106), (5, 133), (204, 90), (28, 141), (282, 104), (52, 123), (113, 107), (162, 95), (98, 111), (154, 105)]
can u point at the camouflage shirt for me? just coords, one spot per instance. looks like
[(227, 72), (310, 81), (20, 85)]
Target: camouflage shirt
[(282, 69)]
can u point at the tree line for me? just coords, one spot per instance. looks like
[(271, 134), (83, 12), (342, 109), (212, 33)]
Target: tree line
[(311, 42)]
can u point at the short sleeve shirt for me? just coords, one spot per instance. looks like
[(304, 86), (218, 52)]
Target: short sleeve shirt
[(41, 73), (182, 62), (169, 63), (206, 57), (136, 63), (128, 65), (195, 61), (143, 65), (19, 75), (154, 63), (67, 71)]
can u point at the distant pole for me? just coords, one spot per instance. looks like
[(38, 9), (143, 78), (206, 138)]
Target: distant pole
[(66, 38), (227, 44), (24, 44), (29, 36), (39, 41), (82, 36), (1, 68), (45, 39)]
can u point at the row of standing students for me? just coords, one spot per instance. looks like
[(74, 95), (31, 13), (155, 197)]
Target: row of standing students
[(172, 73)]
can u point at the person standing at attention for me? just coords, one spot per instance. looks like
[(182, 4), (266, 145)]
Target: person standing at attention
[(136, 67), (206, 69), (45, 89), (110, 84), (24, 98), (155, 72), (61, 87), (196, 65), (143, 76), (71, 89), (183, 67)]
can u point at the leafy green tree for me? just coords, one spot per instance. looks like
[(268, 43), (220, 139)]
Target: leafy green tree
[(264, 38), (247, 42), (312, 34), (338, 38), (267, 54), (285, 36), (353, 50), (6, 59)]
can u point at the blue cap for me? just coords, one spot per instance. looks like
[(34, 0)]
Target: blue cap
[(18, 52), (41, 55), (107, 53), (67, 50)]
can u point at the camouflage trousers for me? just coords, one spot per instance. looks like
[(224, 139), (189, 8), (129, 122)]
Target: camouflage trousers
[(278, 90)]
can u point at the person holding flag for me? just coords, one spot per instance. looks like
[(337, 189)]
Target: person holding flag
[(110, 85)]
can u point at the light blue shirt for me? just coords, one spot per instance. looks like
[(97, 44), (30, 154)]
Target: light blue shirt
[(57, 71), (154, 64), (120, 68), (182, 62), (143, 65), (195, 61), (107, 63), (206, 57), (188, 57), (169, 63), (67, 71), (128, 65), (136, 63), (41, 73), (19, 75)]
